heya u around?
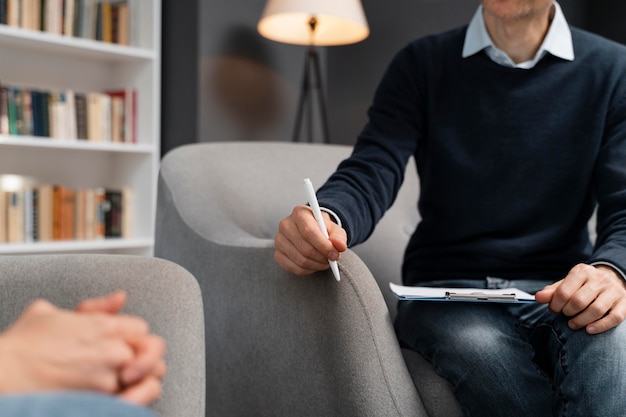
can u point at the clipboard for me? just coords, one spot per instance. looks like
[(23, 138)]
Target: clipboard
[(480, 295)]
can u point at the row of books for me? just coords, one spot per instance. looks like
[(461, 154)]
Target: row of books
[(106, 21), (97, 116), (43, 213)]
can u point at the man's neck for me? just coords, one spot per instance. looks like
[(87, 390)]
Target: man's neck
[(520, 38)]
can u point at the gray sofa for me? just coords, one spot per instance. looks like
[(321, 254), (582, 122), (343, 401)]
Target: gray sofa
[(163, 293), (276, 344)]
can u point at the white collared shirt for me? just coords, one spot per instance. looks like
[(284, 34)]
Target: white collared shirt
[(558, 41)]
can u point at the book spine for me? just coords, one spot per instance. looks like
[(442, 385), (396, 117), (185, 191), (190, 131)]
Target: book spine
[(15, 216), (3, 215), (4, 110), (12, 111), (113, 213), (3, 12), (80, 102)]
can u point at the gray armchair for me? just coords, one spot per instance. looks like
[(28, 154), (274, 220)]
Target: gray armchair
[(276, 344), (161, 292)]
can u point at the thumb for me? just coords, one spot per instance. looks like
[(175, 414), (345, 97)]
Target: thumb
[(545, 295), (338, 237)]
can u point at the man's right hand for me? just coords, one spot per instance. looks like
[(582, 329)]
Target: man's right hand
[(300, 246)]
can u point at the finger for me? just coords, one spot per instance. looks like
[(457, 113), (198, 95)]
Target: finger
[(110, 303), (611, 320), (594, 311), (144, 392), (582, 299), (122, 326), (339, 239), (148, 356), (40, 306), (568, 286), (544, 296), (304, 268)]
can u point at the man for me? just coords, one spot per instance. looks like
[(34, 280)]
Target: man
[(518, 127), (79, 363)]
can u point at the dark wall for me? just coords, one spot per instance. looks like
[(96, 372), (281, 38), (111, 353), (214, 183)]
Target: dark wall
[(354, 71), (179, 73), (222, 81)]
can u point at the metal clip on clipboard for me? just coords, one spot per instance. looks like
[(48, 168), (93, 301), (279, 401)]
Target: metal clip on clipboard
[(479, 296)]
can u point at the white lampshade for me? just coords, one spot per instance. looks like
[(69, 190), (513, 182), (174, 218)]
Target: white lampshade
[(339, 22)]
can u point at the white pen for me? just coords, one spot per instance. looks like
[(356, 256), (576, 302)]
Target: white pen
[(310, 194)]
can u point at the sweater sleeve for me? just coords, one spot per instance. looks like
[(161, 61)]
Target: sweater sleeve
[(366, 184), (610, 184)]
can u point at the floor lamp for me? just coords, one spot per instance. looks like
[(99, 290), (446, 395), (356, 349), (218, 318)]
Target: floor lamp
[(313, 23)]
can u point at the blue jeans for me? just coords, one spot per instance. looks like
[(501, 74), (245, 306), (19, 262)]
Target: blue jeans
[(68, 404), (517, 359)]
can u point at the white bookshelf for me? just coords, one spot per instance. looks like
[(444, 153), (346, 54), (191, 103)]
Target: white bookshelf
[(56, 62)]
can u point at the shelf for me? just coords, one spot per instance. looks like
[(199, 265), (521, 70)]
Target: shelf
[(53, 44), (82, 145), (101, 245), (50, 62)]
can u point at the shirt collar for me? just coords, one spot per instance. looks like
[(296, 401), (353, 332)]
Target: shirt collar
[(558, 40)]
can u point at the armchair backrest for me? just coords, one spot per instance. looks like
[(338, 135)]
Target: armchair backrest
[(277, 345)]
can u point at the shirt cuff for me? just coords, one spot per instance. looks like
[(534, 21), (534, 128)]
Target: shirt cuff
[(609, 264), (333, 215)]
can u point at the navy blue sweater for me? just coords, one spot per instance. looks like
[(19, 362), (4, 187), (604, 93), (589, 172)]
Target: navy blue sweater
[(511, 162)]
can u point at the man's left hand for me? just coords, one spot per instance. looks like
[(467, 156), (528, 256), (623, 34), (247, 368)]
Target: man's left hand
[(593, 296)]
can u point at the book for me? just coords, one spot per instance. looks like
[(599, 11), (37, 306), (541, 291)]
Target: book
[(29, 216), (35, 213), (94, 118), (29, 15), (15, 216), (44, 102), (68, 17), (53, 17), (88, 19), (13, 12), (45, 195), (91, 214), (27, 112), (77, 28), (101, 208), (121, 29), (11, 111), (63, 213), (129, 96), (63, 115), (117, 119), (80, 221), (51, 105), (113, 213), (127, 212), (19, 111), (3, 216), (3, 12), (98, 117), (37, 113), (80, 103), (70, 115), (106, 23), (4, 110)]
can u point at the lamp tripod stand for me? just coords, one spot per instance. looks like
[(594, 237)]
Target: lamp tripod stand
[(311, 84)]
